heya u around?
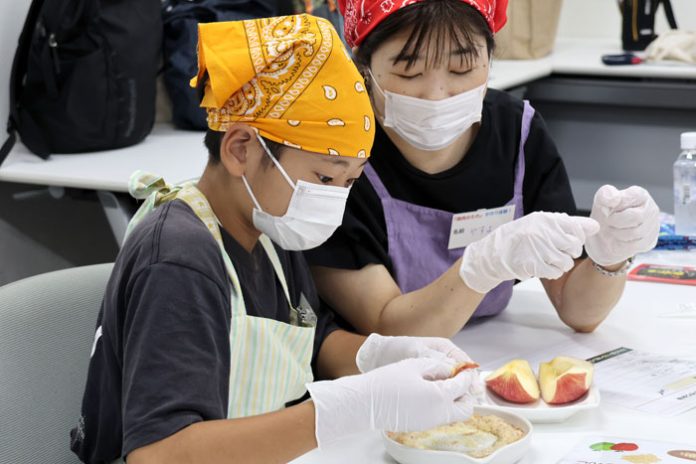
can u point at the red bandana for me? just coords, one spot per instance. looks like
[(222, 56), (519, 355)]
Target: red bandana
[(361, 16)]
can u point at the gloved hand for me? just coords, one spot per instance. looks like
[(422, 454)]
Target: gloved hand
[(537, 245), (629, 223), (378, 351), (415, 394)]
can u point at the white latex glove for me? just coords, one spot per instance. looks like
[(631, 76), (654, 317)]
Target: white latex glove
[(537, 245), (411, 395), (629, 224), (378, 351)]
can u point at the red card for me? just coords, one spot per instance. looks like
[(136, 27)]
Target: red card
[(681, 275)]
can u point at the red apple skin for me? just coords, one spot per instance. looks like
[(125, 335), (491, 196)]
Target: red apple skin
[(569, 387), (509, 388), (564, 379), (463, 367)]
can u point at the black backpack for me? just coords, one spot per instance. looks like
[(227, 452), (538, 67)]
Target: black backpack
[(84, 75), (181, 18), (638, 27)]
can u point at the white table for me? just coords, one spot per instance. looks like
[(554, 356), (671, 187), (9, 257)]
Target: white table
[(530, 324), (178, 155), (175, 154), (583, 57)]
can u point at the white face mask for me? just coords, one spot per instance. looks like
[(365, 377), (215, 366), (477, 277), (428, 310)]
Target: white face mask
[(314, 213), (431, 124)]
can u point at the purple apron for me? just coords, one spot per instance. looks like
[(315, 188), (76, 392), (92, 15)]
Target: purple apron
[(418, 237)]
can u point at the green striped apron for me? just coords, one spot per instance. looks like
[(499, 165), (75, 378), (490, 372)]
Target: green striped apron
[(270, 360)]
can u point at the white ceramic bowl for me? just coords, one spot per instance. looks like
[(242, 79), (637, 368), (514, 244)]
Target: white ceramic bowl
[(508, 454)]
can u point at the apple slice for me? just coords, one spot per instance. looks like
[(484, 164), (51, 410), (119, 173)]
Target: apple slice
[(564, 379), (514, 382), (464, 367)]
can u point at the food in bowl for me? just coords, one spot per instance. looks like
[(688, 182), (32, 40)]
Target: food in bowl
[(479, 437)]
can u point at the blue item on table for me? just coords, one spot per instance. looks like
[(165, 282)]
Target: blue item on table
[(669, 240)]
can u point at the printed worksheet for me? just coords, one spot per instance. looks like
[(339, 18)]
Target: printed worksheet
[(614, 450), (651, 383)]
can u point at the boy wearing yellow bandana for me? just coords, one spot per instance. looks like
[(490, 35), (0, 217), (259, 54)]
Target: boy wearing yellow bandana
[(210, 327)]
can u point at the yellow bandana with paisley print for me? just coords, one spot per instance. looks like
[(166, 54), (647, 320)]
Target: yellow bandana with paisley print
[(291, 78)]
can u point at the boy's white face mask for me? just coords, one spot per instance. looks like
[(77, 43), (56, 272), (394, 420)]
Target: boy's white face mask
[(431, 124), (314, 213)]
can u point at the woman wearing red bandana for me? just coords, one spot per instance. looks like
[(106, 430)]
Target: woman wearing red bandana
[(465, 192)]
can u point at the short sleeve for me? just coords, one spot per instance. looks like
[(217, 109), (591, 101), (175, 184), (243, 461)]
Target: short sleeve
[(175, 353), (546, 183)]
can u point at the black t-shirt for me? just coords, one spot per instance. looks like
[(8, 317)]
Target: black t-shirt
[(484, 178), (163, 359)]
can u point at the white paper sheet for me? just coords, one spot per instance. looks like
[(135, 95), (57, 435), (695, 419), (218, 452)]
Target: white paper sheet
[(598, 450)]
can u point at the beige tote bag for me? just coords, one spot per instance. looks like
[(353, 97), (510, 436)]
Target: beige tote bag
[(530, 31)]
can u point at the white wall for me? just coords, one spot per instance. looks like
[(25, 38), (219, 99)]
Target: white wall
[(12, 15), (601, 18)]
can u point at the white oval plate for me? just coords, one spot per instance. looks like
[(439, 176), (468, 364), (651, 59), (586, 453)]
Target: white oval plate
[(508, 454), (539, 412)]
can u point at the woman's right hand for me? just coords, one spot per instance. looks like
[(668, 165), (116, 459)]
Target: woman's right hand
[(411, 395), (542, 245)]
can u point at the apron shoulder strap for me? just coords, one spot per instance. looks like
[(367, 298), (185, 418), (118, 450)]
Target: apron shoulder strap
[(277, 266), (527, 117), (376, 182), (153, 190), (303, 315), (190, 195)]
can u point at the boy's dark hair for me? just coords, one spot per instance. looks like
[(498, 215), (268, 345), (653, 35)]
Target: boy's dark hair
[(444, 21), (213, 140)]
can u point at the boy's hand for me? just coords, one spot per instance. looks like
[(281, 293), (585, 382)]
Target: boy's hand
[(415, 394)]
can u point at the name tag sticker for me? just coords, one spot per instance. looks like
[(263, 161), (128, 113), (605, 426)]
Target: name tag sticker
[(470, 227)]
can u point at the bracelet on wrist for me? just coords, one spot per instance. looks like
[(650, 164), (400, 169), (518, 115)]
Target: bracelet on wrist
[(623, 270)]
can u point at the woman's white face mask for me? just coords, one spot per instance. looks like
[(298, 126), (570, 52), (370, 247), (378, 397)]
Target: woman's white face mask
[(314, 213), (431, 124)]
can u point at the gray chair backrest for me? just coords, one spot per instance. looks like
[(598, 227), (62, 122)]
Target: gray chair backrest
[(47, 325)]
